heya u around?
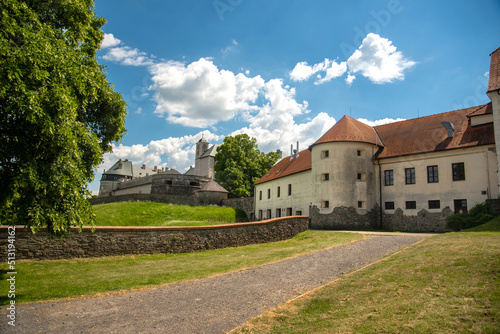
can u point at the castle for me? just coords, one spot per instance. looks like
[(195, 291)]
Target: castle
[(407, 175), (124, 178)]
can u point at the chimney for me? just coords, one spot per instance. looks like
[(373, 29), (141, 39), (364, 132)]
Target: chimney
[(143, 166), (120, 164), (449, 128)]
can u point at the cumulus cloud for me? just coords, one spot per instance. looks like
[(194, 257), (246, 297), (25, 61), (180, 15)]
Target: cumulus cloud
[(174, 152), (109, 41), (378, 60), (126, 55), (302, 71), (200, 95)]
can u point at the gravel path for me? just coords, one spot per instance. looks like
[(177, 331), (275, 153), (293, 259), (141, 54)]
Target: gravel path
[(212, 305)]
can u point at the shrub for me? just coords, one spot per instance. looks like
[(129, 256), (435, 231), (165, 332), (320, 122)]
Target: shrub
[(478, 215)]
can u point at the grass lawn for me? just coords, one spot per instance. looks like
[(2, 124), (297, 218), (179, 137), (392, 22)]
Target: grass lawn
[(445, 284), (159, 214), (43, 280)]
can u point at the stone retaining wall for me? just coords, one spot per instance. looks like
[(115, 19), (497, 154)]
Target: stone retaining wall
[(246, 204), (106, 241)]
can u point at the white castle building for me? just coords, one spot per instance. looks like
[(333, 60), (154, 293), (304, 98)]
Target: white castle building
[(407, 175)]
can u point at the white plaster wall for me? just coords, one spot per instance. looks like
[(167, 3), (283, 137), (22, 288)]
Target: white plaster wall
[(343, 165), (480, 176), (299, 200)]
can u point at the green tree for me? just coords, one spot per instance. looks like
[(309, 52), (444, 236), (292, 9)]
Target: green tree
[(58, 113), (239, 164)]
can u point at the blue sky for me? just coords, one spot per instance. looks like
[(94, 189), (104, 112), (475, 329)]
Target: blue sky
[(286, 71)]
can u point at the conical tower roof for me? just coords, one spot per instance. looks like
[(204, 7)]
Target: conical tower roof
[(349, 129)]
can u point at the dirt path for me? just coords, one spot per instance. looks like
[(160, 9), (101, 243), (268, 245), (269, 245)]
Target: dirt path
[(212, 305)]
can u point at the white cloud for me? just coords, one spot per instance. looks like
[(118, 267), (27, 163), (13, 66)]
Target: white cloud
[(126, 55), (109, 41), (200, 95), (332, 69), (380, 121), (302, 71), (350, 78), (378, 60), (228, 49), (174, 152)]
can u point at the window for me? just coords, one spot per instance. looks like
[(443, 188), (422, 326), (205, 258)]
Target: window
[(325, 154), (168, 182), (410, 205), (325, 204), (194, 184), (389, 205), (260, 195), (268, 214), (460, 205), (325, 177), (278, 213), (279, 192), (289, 190), (361, 204), (360, 153), (432, 174), (458, 171), (268, 193), (260, 214), (289, 211), (435, 204), (298, 213), (409, 175), (389, 177), (361, 176)]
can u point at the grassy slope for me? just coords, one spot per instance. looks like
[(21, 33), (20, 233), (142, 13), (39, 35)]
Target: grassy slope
[(158, 214), (42, 280), (445, 284)]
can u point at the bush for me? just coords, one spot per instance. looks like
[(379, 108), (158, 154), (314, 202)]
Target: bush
[(478, 215)]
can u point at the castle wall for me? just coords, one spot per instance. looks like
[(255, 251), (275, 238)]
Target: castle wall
[(122, 240)]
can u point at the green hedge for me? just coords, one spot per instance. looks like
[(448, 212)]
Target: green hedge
[(478, 215)]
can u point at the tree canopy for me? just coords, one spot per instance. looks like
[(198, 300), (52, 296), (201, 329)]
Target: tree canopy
[(58, 112), (239, 164)]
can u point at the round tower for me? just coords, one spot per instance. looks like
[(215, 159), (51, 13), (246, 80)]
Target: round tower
[(343, 171)]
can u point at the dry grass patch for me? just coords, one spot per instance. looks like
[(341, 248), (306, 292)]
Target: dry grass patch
[(445, 284)]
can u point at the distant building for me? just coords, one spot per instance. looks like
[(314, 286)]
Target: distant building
[(124, 178), (406, 175)]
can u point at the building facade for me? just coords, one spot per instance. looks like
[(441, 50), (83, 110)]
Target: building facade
[(406, 175)]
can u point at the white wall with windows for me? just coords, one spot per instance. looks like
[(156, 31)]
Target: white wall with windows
[(286, 196), (458, 179)]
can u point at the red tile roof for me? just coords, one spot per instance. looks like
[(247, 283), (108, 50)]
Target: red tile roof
[(288, 166), (494, 83), (427, 134), (349, 129)]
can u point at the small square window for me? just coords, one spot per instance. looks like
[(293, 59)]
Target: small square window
[(325, 154), (358, 153), (410, 205), (361, 176), (325, 204), (435, 204), (325, 177), (361, 204), (389, 205)]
